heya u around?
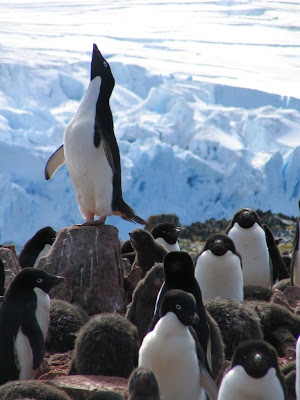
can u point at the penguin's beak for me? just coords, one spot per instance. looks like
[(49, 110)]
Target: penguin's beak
[(195, 318), (55, 280), (257, 359)]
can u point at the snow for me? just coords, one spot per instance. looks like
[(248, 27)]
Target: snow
[(206, 106)]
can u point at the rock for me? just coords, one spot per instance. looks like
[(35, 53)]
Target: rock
[(292, 294), (11, 263), (79, 387), (89, 257)]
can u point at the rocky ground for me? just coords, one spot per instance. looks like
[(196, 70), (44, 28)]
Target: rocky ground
[(193, 237), (54, 368)]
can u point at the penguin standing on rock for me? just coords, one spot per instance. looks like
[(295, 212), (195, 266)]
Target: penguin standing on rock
[(254, 374), (91, 152), (24, 320), (251, 241), (219, 269), (170, 350)]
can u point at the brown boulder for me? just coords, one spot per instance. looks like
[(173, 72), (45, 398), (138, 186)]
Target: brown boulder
[(89, 257), (11, 263)]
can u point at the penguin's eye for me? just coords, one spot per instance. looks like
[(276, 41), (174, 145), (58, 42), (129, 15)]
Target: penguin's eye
[(105, 64), (178, 307), (39, 280)]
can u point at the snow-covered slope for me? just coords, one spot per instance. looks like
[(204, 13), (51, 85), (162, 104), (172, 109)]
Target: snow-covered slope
[(206, 106)]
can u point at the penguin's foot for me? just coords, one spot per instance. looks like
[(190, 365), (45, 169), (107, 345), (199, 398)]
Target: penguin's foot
[(100, 221)]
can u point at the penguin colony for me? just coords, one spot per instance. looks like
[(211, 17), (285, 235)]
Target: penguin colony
[(187, 319)]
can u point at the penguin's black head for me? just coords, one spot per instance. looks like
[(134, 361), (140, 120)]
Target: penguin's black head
[(178, 267), (256, 357), (167, 231), (30, 278), (46, 235), (246, 218), (219, 244), (182, 304), (140, 238), (100, 67), (143, 384)]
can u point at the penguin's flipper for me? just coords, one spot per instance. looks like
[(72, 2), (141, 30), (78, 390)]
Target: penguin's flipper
[(159, 299), (99, 135), (280, 270), (208, 384), (56, 160), (295, 250), (32, 331)]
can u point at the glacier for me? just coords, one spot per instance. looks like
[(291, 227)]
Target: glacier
[(201, 133)]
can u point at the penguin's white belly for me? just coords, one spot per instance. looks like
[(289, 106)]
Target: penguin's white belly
[(22, 347), (89, 170), (237, 384), (173, 359), (42, 254), (168, 246), (219, 276), (297, 385), (251, 244)]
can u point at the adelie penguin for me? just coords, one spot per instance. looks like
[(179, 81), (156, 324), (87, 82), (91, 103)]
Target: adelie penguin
[(24, 319), (254, 374), (255, 243), (219, 269), (179, 274), (164, 233), (174, 354), (295, 263), (91, 152), (36, 247)]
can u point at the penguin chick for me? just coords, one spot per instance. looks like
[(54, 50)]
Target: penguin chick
[(282, 285), (249, 238), (140, 311), (164, 233), (255, 292), (219, 269), (106, 345), (105, 395), (65, 321), (147, 250), (36, 246), (167, 234), (280, 326), (235, 322), (143, 385), (31, 390), (179, 274), (289, 373), (24, 320), (91, 151), (254, 374), (170, 350)]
